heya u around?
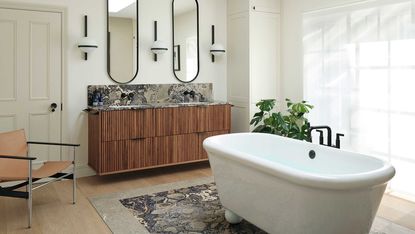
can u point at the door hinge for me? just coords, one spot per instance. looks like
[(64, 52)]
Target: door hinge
[(61, 106)]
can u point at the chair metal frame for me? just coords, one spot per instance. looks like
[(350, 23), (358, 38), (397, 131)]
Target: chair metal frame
[(10, 191)]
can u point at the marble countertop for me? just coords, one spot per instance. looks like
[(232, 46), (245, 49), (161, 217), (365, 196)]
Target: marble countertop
[(151, 106)]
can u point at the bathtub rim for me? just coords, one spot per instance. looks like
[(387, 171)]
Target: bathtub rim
[(361, 180)]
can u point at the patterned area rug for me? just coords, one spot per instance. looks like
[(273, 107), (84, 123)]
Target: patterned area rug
[(193, 209), (184, 207)]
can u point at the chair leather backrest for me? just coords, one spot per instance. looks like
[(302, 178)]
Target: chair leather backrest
[(13, 144)]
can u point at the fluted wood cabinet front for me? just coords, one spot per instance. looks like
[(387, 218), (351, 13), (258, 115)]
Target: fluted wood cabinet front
[(129, 140), (127, 124), (175, 121)]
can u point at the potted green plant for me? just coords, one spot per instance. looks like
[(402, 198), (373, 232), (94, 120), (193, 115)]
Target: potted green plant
[(292, 124)]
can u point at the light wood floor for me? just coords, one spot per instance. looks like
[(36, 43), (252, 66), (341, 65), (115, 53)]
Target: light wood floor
[(54, 213)]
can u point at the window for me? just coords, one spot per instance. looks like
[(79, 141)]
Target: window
[(359, 72)]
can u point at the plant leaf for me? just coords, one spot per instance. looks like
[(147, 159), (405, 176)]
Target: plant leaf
[(292, 123)]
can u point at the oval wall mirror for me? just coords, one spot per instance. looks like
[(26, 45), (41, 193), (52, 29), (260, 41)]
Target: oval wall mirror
[(122, 40), (186, 63)]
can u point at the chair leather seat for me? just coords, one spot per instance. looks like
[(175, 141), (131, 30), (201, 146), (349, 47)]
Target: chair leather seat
[(46, 170)]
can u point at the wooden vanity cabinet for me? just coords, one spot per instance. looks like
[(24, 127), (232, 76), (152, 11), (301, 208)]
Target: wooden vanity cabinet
[(129, 140)]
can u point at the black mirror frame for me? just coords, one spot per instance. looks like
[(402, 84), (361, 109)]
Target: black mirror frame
[(108, 46), (198, 48)]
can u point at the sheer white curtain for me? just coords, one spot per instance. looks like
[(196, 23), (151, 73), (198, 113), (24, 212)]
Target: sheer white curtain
[(359, 72)]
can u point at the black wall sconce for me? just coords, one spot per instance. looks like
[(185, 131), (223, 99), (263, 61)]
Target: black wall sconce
[(158, 47), (86, 44), (216, 49)]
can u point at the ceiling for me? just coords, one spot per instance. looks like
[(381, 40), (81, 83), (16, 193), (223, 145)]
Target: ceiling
[(128, 12), (180, 7), (183, 6)]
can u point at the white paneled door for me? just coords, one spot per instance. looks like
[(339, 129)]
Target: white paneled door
[(31, 76)]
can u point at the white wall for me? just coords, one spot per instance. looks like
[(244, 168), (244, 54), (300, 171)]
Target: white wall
[(291, 34), (80, 73)]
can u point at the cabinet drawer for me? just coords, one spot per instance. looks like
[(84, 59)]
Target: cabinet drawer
[(163, 149), (176, 121), (186, 148), (127, 155), (176, 149), (214, 118), (127, 124), (141, 153), (113, 157)]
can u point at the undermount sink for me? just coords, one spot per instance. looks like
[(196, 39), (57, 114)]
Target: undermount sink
[(155, 105), (193, 103), (130, 106)]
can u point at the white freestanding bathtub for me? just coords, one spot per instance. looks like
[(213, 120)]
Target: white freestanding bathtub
[(272, 182)]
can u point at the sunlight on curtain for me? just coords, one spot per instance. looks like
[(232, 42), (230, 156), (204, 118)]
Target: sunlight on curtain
[(359, 72)]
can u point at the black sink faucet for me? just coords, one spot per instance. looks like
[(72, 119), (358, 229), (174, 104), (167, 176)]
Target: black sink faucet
[(329, 136), (129, 96), (191, 93)]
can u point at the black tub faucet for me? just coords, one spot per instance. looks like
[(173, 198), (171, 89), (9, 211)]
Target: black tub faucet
[(321, 136), (329, 143), (320, 129), (338, 135)]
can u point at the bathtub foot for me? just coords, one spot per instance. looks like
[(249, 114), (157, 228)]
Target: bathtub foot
[(232, 218)]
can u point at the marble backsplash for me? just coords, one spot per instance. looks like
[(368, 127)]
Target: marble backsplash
[(149, 93)]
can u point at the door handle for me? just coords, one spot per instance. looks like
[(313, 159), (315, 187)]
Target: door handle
[(53, 107)]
